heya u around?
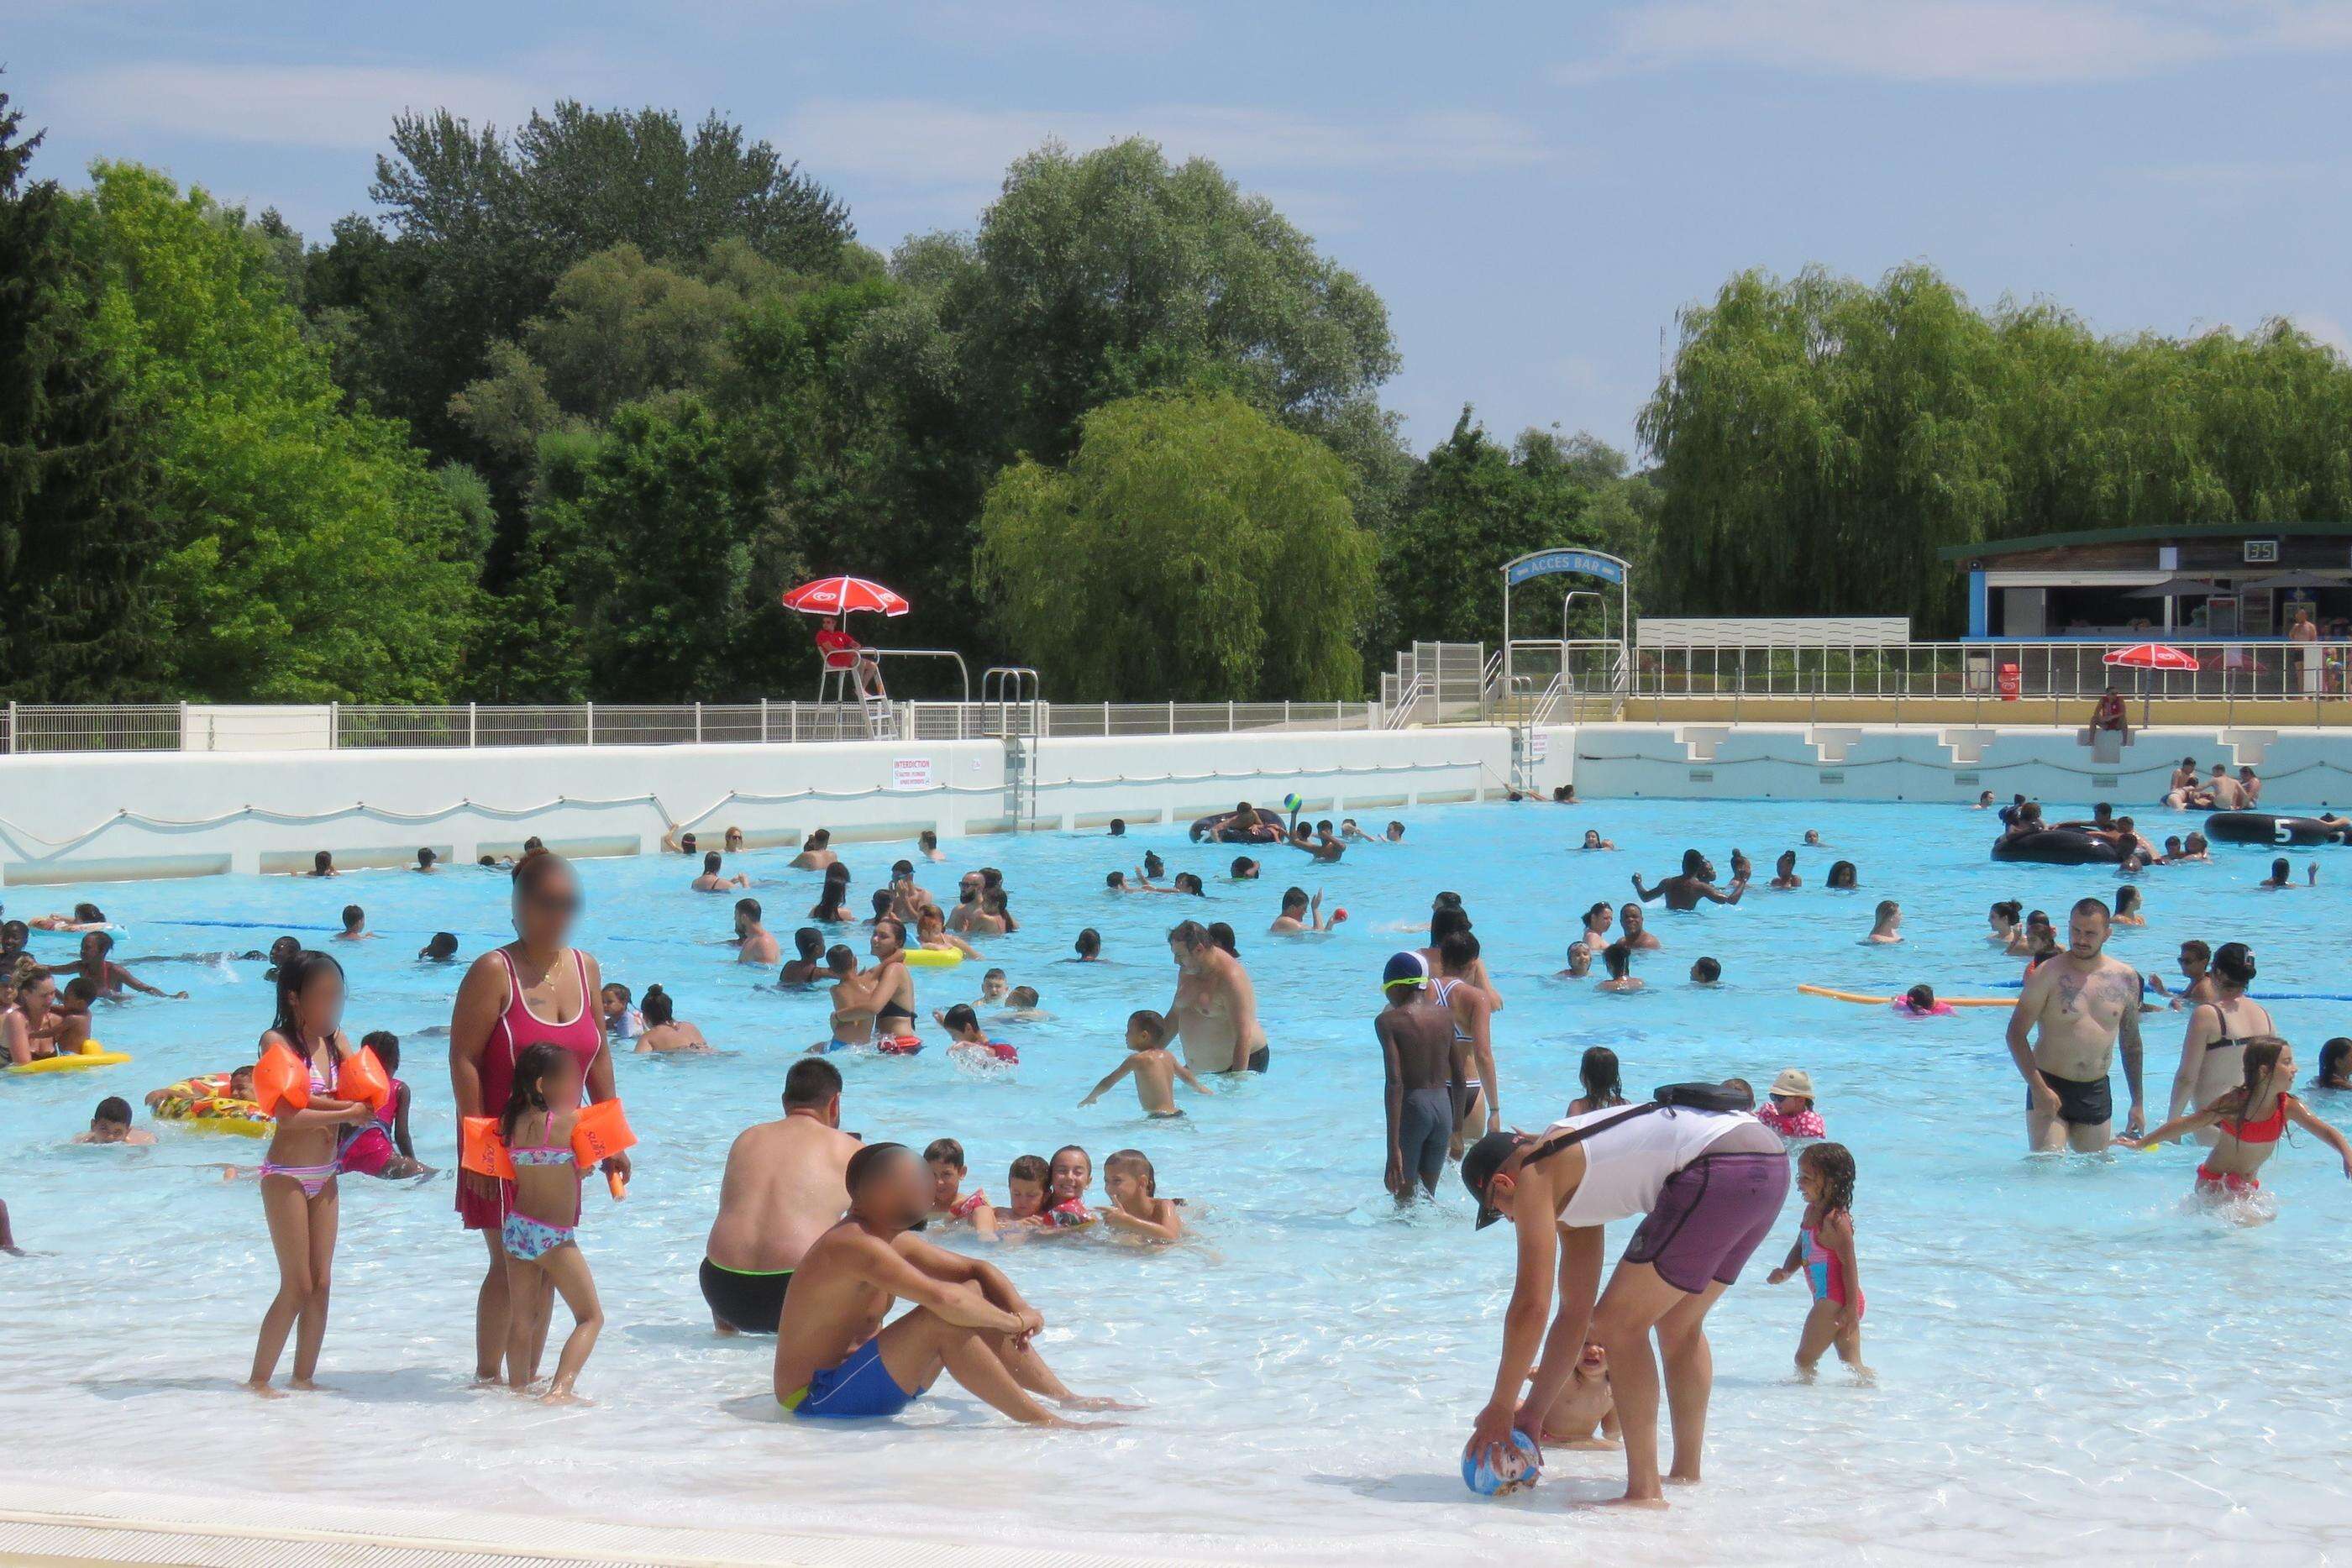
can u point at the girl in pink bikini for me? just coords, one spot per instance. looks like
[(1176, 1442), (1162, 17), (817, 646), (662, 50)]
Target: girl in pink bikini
[(297, 1174), (538, 989)]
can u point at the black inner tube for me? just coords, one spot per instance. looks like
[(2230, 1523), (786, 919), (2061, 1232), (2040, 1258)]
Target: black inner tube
[(2057, 846)]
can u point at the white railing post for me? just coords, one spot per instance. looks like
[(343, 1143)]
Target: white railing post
[(1229, 716), (764, 721), (698, 724), (591, 723), (473, 727), (1171, 716), (334, 726)]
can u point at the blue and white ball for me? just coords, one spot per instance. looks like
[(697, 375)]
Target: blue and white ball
[(1518, 1471), (1293, 803)]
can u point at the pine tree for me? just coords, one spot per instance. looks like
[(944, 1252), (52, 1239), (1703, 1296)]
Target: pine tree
[(77, 621)]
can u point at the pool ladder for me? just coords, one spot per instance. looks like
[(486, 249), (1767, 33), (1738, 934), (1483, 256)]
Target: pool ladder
[(1013, 707)]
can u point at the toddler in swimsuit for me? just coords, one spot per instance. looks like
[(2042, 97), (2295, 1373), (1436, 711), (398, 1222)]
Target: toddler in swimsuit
[(1824, 1254), (380, 1147), (541, 1232), (1789, 1110), (950, 1205)]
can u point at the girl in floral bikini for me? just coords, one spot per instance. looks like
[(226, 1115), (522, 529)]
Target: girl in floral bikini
[(297, 1174), (541, 1232), (2251, 1118)]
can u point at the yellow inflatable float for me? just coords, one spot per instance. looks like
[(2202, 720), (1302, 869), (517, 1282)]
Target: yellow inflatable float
[(1889, 1001), (932, 957), (91, 1055), (202, 1105)]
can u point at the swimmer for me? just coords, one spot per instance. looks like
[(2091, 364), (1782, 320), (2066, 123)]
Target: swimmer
[(1743, 870), (354, 926), (110, 978), (834, 1356), (322, 864), (1603, 1079), (1633, 930), (424, 861), (2127, 907), (1694, 883), (1706, 972), (1426, 1063), (1812, 839), (1023, 1001), (928, 841), (1596, 935), (1088, 946), (1593, 841), (1214, 1010), (73, 1019), (816, 853), (1824, 1254), (1842, 876), (1450, 919), (1395, 834), (1188, 882), (2249, 1120), (908, 899), (1352, 833), (832, 906), (801, 970), (950, 1205), (2335, 1064), (381, 1147), (933, 934), (238, 1087), (1984, 801), (2183, 785), (110, 1124), (785, 1185), (543, 1221), (2212, 1046), (30, 1029), (1580, 963), (1888, 924), (967, 1043), (2003, 919), (2282, 876), (1789, 1111), (1026, 1185), (2197, 847), (1784, 871), (84, 917), (714, 880), (733, 841), (1155, 1068), (1136, 1206), (1919, 1002), (994, 989), (1117, 829), (1070, 1174), (2250, 785), (663, 1032), (754, 943), (1245, 869), (1479, 1107), (1618, 959), (1302, 914), (673, 842), (2081, 1004), (441, 947)]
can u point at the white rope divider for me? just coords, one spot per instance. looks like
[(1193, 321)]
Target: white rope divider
[(517, 813)]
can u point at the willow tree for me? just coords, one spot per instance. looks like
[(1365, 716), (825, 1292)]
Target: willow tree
[(1193, 549)]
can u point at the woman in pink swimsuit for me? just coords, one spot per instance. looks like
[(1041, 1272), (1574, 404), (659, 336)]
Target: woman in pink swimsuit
[(510, 1001)]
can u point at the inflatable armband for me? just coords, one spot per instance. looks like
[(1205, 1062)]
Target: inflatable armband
[(601, 1133), (362, 1079), (282, 1081), (481, 1150)]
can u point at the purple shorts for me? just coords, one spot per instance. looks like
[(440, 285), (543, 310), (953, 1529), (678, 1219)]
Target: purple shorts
[(1709, 1217)]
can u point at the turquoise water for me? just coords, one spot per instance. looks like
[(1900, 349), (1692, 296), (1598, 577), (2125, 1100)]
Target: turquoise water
[(2066, 1353)]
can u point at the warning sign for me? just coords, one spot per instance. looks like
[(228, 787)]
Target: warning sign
[(911, 773)]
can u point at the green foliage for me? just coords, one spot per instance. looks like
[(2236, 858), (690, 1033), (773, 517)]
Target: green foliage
[(307, 553), (77, 616), (1818, 439), (1193, 549)]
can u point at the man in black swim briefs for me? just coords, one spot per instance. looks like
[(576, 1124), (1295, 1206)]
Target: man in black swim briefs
[(2075, 1009), (784, 1187)]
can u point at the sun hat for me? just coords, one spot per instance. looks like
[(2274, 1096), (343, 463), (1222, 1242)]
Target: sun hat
[(1794, 1081)]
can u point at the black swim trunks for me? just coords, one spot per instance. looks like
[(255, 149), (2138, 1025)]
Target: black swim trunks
[(2085, 1102), (748, 1303), (1259, 1058)]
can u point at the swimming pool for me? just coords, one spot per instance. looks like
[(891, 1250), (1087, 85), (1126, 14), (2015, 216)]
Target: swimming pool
[(2067, 1360)]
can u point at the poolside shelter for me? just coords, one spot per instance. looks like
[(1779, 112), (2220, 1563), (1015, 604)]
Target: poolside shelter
[(2177, 584)]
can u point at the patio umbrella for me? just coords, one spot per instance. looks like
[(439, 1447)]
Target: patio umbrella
[(2149, 656), (843, 596)]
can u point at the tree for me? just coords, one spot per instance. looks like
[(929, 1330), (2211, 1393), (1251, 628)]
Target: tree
[(76, 615), (1472, 506), (1193, 549), (307, 554)]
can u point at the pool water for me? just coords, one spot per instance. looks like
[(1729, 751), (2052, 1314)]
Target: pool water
[(2066, 1353)]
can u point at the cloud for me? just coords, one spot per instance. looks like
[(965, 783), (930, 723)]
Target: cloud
[(1981, 42), (301, 106), (910, 142)]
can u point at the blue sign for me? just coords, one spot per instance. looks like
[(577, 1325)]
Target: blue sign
[(1552, 562)]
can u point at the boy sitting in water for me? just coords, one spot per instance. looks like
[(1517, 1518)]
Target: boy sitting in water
[(1137, 1209), (1585, 1414), (110, 1124), (1025, 1191), (966, 1042), (949, 1204), (1155, 1067)]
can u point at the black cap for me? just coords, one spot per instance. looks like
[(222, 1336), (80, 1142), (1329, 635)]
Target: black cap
[(1479, 1163)]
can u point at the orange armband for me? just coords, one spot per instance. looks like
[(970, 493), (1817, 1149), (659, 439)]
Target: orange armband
[(281, 1081), (362, 1079), (600, 1133), (481, 1150)]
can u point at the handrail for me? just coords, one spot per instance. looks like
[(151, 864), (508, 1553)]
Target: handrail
[(1409, 699), (962, 670)]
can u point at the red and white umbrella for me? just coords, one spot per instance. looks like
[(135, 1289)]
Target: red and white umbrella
[(2152, 656), (844, 596)]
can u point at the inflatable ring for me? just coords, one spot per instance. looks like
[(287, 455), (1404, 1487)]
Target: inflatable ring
[(93, 1054), (1207, 827), (208, 1108), (1889, 1001), (2057, 846), (2262, 827), (932, 957)]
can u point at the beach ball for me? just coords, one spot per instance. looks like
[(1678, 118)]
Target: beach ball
[(1518, 1471)]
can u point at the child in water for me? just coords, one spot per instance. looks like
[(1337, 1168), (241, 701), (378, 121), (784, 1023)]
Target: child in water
[(1618, 959), (381, 1147), (1585, 1414), (1919, 1002), (1072, 1172), (1889, 924), (541, 1231), (1789, 1112), (1825, 1253), (2253, 1120), (1155, 1067), (1137, 1209), (950, 1205), (110, 1124), (967, 1044), (621, 1021), (1025, 1185)]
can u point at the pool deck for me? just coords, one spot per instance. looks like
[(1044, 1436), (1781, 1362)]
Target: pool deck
[(53, 1525)]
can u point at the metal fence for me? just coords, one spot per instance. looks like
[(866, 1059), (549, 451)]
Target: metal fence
[(170, 726), (2277, 671)]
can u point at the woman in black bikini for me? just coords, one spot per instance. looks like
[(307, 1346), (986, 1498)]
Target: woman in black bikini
[(2212, 1050)]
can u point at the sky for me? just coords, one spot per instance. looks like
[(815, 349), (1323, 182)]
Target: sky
[(1536, 189)]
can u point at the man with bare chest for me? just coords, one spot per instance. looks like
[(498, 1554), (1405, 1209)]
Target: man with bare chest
[(2075, 1008)]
